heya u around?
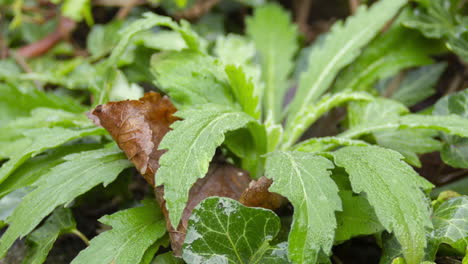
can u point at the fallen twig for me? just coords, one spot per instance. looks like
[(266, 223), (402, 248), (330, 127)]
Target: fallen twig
[(66, 26)]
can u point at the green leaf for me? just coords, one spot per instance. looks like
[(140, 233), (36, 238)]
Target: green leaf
[(455, 149), (304, 179), (339, 48), (451, 224), (133, 232), (151, 252), (398, 49), (460, 186), (357, 218), (103, 38), (160, 40), (41, 139), (191, 78), (18, 102), (123, 90), (40, 241), (149, 21), (400, 208), (222, 230), (434, 20), (234, 49), (458, 43), (371, 121), (315, 111), (42, 118), (35, 167), (78, 174), (419, 84), (9, 202), (443, 19), (244, 90), (167, 258), (77, 10), (276, 49), (326, 144), (409, 143), (191, 145)]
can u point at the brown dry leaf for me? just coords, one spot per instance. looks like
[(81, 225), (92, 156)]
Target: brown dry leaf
[(138, 127), (257, 195), (222, 179)]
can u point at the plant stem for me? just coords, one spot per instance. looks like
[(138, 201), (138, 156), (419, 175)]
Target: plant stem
[(80, 235)]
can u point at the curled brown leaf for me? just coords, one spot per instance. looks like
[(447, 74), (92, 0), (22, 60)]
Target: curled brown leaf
[(138, 127), (257, 195)]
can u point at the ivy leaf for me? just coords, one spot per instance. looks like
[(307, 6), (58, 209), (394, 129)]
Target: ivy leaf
[(450, 223), (133, 232), (79, 173), (191, 145), (340, 47), (357, 218), (455, 148), (434, 18), (41, 139), (222, 230), (442, 19), (276, 49), (401, 208), (40, 241), (304, 179), (191, 78), (419, 84), (397, 49)]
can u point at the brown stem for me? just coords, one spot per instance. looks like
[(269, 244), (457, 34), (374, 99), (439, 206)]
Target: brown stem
[(455, 84), (125, 9), (25, 66), (112, 3), (196, 11), (302, 8), (353, 6), (66, 26), (394, 85)]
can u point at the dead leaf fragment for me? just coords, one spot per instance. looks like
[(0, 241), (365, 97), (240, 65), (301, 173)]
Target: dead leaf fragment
[(257, 195), (138, 127), (222, 180)]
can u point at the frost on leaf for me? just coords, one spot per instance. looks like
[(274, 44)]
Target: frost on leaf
[(138, 127), (222, 180)]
